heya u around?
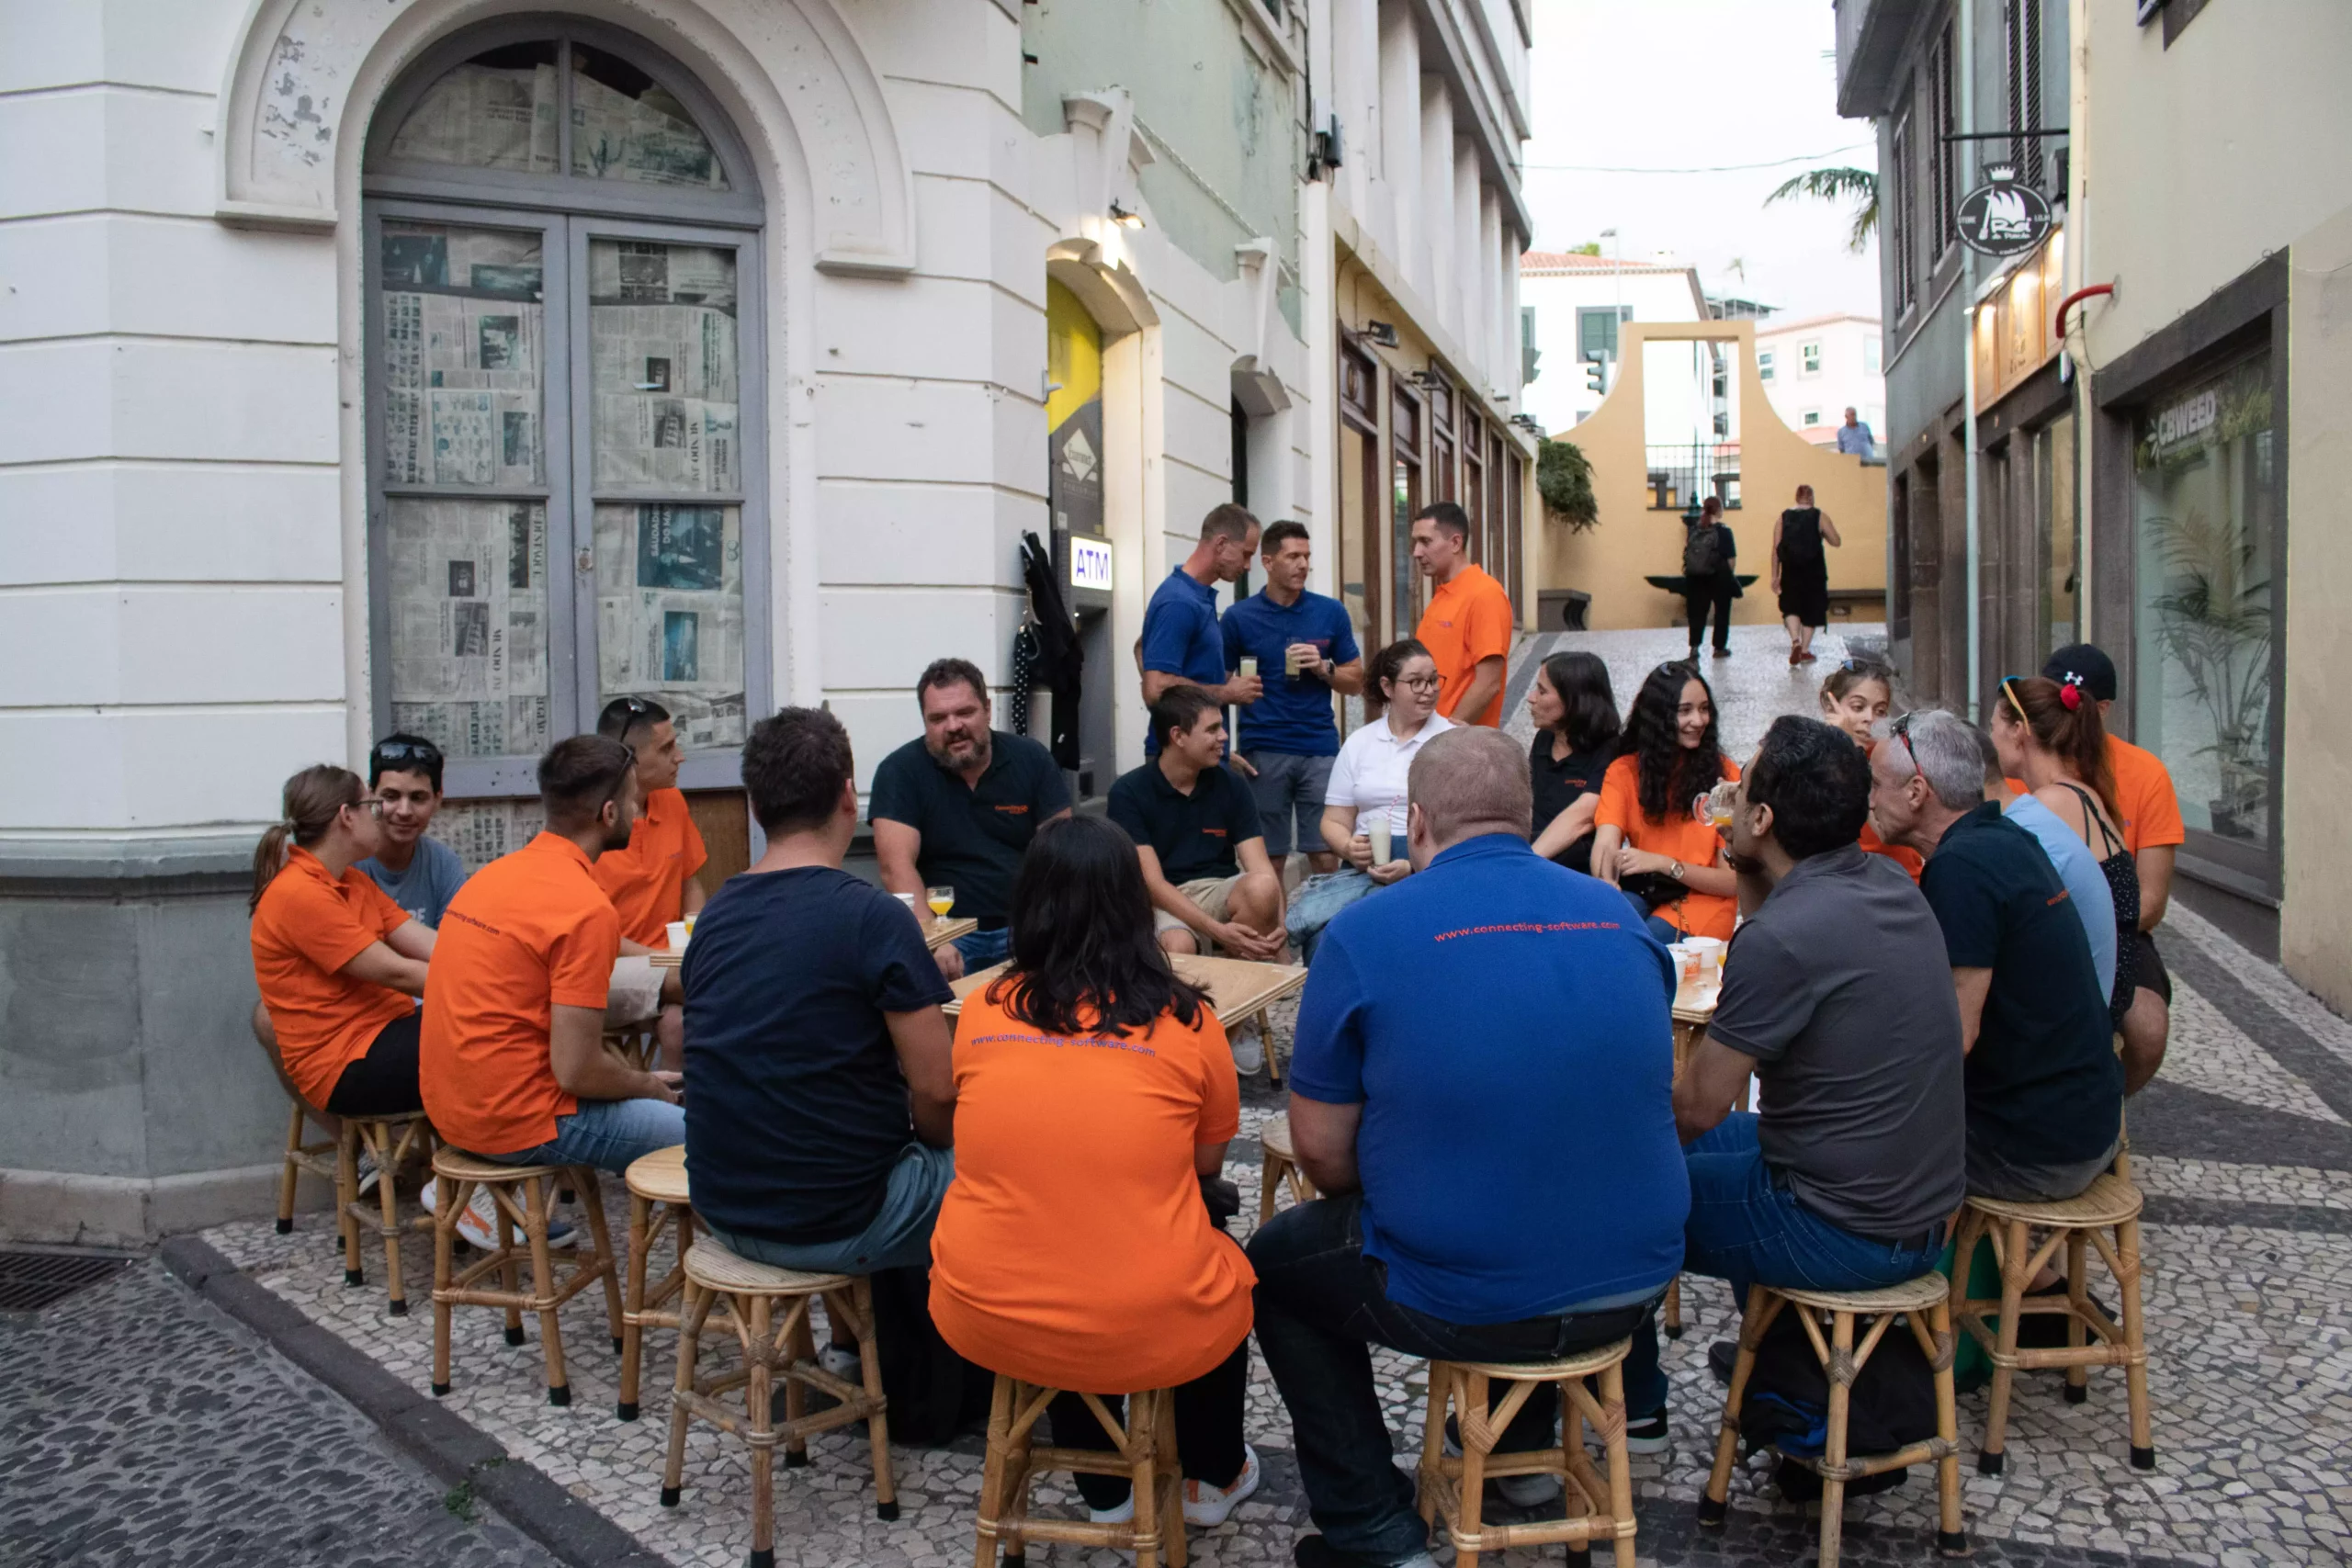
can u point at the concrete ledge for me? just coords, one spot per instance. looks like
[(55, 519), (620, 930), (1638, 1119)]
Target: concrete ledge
[(69, 1208), (442, 1443)]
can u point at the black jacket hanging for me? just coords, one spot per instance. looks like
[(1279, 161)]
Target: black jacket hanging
[(1060, 661)]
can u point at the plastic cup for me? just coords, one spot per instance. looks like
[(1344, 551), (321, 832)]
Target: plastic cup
[(909, 900), (1379, 831), (1249, 666), (679, 931)]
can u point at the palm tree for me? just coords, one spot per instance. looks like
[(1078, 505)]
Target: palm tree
[(1858, 186)]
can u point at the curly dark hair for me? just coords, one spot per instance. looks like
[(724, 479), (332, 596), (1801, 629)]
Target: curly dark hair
[(1085, 959), (1668, 771)]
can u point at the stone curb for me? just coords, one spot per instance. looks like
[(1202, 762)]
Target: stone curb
[(444, 1443)]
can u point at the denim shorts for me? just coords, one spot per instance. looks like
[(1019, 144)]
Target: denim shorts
[(898, 1237), (608, 1134)]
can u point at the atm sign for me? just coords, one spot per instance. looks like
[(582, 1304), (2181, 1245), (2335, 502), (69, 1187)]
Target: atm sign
[(1090, 563)]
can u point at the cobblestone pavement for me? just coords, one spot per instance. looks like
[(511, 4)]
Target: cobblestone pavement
[(139, 1424), (2243, 1150)]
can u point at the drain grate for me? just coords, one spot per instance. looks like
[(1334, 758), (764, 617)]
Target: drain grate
[(31, 1281)]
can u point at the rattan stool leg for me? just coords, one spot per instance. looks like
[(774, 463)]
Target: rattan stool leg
[(878, 1425), (992, 1474), (292, 1174), (2017, 1268), (759, 1392), (452, 1200), (1832, 1468), (640, 1242), (346, 1193), (2135, 1370), (536, 1204), (2078, 1376), (591, 1205), (1619, 1458), (1432, 1470), (693, 1309), (388, 1149), (1171, 1461), (1143, 1478), (1714, 1502), (1670, 1312), (1016, 1498), (1471, 1407), (803, 1346), (509, 1267), (1950, 1538)]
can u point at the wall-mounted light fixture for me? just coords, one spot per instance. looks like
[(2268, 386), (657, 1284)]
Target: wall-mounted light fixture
[(1126, 219), (1381, 333), (1428, 381)]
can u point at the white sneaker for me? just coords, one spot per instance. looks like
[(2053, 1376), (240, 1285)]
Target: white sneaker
[(1249, 1050), (479, 1224), (1205, 1505), (1123, 1514), (842, 1362), (368, 1173)]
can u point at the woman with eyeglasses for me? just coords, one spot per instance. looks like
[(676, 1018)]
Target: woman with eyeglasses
[(339, 964), (1855, 698), (1652, 836), (2049, 735), (1400, 693), (1576, 730)]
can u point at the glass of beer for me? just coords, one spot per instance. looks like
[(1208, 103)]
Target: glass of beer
[(1722, 801), (1297, 659), (1249, 666), (941, 900)]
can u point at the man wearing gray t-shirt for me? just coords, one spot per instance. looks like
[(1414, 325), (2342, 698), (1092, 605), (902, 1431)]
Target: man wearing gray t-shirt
[(1837, 996)]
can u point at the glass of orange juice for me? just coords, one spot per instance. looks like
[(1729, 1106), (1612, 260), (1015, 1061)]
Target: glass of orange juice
[(941, 900)]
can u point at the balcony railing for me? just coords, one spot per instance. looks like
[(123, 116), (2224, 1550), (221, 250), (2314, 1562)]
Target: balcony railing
[(1682, 473)]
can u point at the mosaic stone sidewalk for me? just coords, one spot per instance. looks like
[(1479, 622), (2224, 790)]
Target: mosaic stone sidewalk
[(2246, 1154)]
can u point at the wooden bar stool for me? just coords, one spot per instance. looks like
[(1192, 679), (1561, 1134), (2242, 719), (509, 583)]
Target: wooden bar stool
[(458, 1176), (1143, 1450), (1453, 1489), (2093, 1339), (774, 1347), (391, 1141), (656, 1197), (322, 1159), (1279, 1167), (1843, 1360)]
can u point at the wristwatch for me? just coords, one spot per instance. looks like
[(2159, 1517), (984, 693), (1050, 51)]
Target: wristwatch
[(1674, 870), (1324, 670)]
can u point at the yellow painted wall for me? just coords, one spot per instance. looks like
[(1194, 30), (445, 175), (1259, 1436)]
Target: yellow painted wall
[(1073, 354), (1633, 541)]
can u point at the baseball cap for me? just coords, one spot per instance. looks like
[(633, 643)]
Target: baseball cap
[(2087, 664)]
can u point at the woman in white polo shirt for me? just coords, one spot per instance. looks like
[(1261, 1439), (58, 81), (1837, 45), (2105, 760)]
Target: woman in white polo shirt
[(1400, 693)]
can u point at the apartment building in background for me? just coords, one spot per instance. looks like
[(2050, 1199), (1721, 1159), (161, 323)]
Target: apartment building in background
[(1578, 302), (1817, 368)]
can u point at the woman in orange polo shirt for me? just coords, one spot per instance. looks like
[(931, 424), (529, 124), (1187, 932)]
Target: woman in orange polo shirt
[(1649, 825), (1095, 1091), (339, 964), (1856, 698)]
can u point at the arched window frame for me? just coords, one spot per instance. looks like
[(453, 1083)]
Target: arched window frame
[(568, 211)]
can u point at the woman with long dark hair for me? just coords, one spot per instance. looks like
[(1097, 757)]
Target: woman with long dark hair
[(1576, 739), (1094, 1092), (339, 964), (1652, 830), (2050, 735)]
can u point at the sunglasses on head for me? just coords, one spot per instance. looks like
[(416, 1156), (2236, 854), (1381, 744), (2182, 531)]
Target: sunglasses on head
[(1901, 731), (396, 751)]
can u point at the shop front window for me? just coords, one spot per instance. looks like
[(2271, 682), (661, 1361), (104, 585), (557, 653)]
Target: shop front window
[(2205, 503)]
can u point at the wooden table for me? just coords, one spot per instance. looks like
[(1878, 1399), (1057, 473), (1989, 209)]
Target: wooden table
[(936, 934), (1237, 987)]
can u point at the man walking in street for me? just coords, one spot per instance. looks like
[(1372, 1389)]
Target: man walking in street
[(1844, 1176), (1449, 1225), (1181, 645), (1467, 627), (1305, 650), (957, 808), (2045, 1091)]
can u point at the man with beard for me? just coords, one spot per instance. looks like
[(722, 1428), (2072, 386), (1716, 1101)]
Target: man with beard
[(513, 1064), (958, 808)]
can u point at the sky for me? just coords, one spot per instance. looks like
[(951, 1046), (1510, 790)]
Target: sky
[(1655, 85)]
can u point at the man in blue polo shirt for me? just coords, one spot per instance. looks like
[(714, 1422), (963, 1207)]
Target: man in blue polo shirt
[(1480, 1048), (1305, 650), (1181, 645)]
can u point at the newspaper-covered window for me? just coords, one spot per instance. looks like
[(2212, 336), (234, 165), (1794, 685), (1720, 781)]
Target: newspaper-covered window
[(670, 614), (626, 126), (470, 624), (496, 111), (661, 367)]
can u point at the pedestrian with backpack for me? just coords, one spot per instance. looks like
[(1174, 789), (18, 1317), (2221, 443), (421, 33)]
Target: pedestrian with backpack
[(1710, 576)]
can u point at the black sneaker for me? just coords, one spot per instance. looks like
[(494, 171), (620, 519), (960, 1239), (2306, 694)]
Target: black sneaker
[(1723, 653), (1646, 1434), (1721, 1356)]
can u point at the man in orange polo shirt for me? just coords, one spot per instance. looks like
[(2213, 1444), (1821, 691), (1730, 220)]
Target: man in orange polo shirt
[(2152, 832), (1467, 627), (513, 1064), (654, 880)]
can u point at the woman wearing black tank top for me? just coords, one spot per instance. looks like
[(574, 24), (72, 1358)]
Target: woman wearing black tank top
[(2056, 727), (1800, 572)]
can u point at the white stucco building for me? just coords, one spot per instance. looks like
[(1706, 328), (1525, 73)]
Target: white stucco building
[(1578, 303), (1817, 368)]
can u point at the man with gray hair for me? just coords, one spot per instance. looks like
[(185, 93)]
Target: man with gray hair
[(1474, 1047), (2045, 1089)]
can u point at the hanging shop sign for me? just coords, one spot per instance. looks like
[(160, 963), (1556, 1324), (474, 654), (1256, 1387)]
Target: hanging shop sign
[(2003, 217)]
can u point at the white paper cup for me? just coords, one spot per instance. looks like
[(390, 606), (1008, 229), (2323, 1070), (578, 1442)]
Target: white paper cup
[(1709, 950), (912, 904), (679, 931)]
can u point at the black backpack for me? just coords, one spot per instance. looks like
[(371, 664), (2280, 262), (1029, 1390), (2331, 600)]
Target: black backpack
[(1702, 552), (1786, 1402)]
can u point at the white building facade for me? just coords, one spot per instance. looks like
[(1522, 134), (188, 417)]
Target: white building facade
[(439, 365), (1817, 368), (1578, 301)]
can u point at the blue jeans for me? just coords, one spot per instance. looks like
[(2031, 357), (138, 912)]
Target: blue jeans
[(980, 949), (608, 1134), (1317, 902), (1748, 1228), (898, 1237), (1322, 1306)]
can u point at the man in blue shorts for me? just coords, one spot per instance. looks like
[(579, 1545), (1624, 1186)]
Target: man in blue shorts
[(1305, 650)]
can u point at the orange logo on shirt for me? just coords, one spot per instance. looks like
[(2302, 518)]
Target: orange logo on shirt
[(1214, 832), (2054, 903), (1014, 810)]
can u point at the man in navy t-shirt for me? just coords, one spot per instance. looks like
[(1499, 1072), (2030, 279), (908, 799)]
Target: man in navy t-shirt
[(1483, 1091), (1305, 649), (822, 1100), (1181, 645)]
